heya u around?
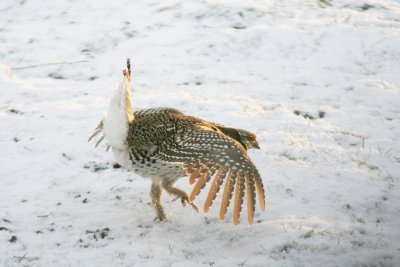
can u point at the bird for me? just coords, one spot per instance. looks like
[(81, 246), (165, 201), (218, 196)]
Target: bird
[(164, 145)]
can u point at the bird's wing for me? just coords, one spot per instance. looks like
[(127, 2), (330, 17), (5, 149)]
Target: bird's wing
[(205, 153)]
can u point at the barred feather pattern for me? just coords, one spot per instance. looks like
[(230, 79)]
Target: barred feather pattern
[(165, 142)]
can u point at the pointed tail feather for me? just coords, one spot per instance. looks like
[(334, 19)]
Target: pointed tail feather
[(260, 190), (215, 187), (194, 175), (250, 191), (201, 183), (239, 193), (228, 190)]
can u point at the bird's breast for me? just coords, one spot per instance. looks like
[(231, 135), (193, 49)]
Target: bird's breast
[(143, 164), (146, 165)]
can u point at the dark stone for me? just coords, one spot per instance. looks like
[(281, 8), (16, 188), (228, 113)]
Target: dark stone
[(365, 7), (56, 76), (239, 27), (117, 166)]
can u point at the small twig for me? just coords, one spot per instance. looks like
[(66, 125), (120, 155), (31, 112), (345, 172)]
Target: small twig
[(310, 232), (21, 258), (390, 177), (48, 64), (353, 134)]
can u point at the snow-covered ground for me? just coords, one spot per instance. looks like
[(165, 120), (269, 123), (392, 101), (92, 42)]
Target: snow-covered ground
[(317, 80)]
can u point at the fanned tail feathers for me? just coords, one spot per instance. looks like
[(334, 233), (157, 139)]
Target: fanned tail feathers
[(226, 161)]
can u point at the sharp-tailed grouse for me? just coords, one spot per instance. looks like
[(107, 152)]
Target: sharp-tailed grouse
[(164, 145)]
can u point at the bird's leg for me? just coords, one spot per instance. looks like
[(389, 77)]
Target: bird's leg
[(168, 185), (155, 194)]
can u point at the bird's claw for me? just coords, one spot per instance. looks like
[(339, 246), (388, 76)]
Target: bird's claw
[(185, 200), (161, 218)]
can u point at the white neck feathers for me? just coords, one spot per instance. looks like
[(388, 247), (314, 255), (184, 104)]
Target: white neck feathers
[(120, 114)]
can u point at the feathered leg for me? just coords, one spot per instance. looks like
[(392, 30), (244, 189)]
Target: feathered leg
[(155, 194), (168, 185)]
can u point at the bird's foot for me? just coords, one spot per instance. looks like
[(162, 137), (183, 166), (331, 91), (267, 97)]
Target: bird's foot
[(184, 200), (160, 219), (160, 216)]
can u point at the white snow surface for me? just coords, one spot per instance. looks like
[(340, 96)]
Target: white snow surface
[(317, 80)]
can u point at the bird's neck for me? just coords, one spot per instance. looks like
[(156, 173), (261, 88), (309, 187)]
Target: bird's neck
[(119, 115)]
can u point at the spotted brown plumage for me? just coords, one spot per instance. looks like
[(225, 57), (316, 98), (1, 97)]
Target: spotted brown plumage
[(164, 144)]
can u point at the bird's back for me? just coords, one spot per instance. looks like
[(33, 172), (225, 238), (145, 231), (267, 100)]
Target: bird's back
[(159, 124)]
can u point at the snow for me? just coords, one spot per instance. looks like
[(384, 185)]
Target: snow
[(317, 80)]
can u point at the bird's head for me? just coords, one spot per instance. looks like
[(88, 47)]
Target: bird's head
[(248, 139)]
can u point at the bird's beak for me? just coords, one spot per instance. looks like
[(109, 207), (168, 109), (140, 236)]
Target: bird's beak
[(256, 145)]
